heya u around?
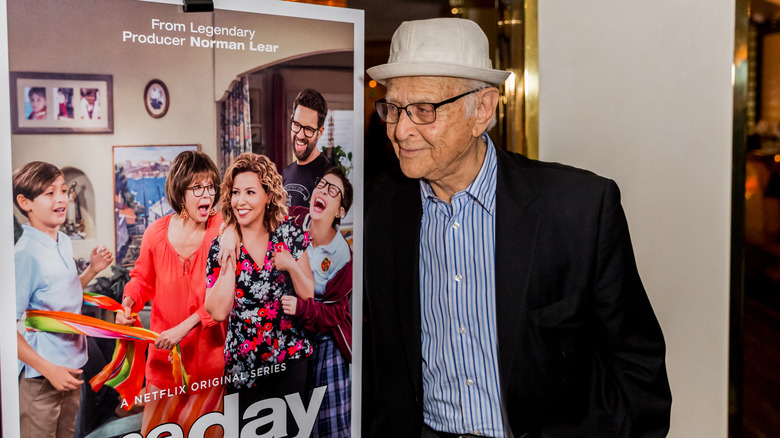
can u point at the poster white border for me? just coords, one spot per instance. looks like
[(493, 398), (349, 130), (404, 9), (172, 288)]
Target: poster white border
[(8, 360)]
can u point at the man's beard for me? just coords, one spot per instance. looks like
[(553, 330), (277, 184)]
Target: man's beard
[(303, 156)]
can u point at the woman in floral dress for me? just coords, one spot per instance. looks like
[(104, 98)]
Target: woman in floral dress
[(266, 351)]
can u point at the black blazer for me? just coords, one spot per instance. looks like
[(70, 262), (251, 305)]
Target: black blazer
[(580, 351)]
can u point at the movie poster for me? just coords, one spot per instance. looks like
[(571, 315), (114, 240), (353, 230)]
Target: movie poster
[(121, 96)]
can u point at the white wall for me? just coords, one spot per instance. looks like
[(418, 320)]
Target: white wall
[(641, 92)]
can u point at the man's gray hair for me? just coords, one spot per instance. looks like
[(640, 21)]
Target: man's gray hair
[(471, 100)]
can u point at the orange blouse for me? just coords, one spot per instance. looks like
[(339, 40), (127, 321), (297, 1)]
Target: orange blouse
[(178, 289)]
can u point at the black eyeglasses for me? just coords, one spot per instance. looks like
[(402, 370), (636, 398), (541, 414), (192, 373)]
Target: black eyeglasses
[(422, 113), (198, 190), (333, 189), (308, 131)]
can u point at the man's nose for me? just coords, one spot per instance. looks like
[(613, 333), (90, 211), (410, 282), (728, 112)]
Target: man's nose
[(404, 125)]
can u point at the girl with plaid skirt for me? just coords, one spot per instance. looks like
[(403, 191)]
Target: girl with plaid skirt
[(328, 314)]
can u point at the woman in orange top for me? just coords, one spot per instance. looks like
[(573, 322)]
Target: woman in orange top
[(171, 270)]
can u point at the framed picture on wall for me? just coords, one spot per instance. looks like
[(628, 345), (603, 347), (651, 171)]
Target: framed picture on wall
[(61, 103), (156, 98), (140, 173)]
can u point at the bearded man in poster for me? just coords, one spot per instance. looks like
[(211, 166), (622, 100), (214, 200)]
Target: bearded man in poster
[(306, 127)]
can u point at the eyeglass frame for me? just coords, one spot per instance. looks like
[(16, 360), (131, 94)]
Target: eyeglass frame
[(435, 106), (328, 185), (212, 191), (293, 124)]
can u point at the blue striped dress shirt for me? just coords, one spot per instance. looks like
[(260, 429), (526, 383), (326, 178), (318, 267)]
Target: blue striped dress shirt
[(457, 294)]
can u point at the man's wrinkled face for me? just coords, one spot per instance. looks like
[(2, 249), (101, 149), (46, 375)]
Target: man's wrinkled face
[(438, 149)]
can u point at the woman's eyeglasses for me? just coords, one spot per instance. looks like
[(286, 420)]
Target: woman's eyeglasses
[(198, 190)]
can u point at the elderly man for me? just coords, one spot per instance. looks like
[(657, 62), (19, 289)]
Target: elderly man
[(501, 294)]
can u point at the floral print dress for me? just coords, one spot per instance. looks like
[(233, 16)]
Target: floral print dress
[(259, 333)]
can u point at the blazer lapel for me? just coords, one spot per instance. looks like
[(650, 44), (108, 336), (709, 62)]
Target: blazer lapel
[(516, 230), (407, 211)]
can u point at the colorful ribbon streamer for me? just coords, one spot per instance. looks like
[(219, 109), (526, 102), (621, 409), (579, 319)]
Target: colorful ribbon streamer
[(125, 372)]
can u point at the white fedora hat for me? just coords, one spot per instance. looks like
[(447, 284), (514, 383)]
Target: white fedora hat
[(439, 47)]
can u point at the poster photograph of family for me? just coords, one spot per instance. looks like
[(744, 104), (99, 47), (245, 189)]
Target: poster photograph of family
[(187, 209)]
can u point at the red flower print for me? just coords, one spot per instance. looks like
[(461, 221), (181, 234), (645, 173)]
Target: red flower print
[(286, 324), (266, 356), (281, 246), (239, 293), (268, 326), (263, 312), (245, 347)]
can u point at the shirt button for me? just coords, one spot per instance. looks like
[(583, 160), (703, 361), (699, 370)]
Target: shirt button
[(469, 382), (456, 225), (458, 277), (462, 330)]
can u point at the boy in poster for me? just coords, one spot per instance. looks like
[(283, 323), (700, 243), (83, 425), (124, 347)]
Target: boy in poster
[(46, 279)]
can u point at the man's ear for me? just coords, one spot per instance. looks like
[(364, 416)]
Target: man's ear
[(486, 108), (24, 203)]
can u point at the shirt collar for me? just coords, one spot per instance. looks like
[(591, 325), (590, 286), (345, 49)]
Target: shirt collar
[(482, 189), (39, 236), (334, 243)]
